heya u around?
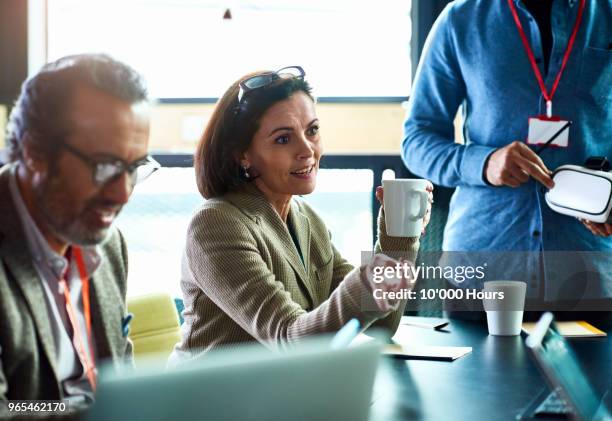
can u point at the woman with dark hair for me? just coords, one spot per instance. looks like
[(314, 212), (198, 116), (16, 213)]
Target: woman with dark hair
[(259, 264)]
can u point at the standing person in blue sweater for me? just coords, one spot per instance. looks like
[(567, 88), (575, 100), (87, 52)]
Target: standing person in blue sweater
[(504, 62)]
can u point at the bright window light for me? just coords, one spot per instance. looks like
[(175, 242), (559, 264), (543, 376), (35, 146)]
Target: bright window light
[(186, 49)]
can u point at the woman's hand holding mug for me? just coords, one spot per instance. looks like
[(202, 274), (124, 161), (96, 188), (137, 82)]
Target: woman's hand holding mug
[(428, 187)]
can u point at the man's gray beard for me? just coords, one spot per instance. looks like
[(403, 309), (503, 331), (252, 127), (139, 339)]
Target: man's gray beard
[(67, 228)]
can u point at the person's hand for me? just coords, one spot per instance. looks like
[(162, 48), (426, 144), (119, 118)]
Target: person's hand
[(602, 230), (513, 164), (376, 279), (380, 194)]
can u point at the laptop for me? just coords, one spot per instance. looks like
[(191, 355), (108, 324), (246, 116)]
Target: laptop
[(572, 395), (311, 382)]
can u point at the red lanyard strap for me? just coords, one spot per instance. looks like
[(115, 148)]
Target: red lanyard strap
[(570, 45), (87, 360)]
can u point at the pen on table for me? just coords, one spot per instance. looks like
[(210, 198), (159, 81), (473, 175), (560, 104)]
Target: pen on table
[(549, 141), (426, 325), (345, 336)]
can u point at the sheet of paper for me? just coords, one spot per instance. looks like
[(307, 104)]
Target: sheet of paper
[(427, 352), (571, 329), (408, 347), (405, 347)]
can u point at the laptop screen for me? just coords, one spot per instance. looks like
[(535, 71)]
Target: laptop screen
[(561, 362)]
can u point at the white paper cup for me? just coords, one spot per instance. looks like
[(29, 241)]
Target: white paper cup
[(504, 302), (406, 202)]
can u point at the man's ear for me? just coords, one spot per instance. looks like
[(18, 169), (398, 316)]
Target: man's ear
[(34, 158)]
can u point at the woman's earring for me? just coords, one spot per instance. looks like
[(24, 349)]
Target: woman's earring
[(245, 169)]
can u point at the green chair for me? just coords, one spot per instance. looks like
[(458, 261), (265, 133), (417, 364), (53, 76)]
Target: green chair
[(155, 328)]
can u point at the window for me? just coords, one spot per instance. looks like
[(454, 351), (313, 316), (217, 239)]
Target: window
[(154, 223), (186, 49)]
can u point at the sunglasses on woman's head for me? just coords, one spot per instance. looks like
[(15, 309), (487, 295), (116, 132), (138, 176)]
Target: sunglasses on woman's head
[(266, 79)]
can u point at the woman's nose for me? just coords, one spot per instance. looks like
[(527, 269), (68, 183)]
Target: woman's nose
[(306, 148)]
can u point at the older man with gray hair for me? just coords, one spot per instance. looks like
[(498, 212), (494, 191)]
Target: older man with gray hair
[(77, 143)]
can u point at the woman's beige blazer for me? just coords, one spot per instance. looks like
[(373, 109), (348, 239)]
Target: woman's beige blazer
[(243, 279)]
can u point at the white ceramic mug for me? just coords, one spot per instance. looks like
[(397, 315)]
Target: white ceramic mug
[(504, 316), (406, 202)]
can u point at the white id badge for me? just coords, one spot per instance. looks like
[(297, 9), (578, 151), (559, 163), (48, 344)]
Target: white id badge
[(542, 128)]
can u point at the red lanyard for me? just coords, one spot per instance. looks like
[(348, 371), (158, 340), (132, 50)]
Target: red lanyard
[(88, 361), (547, 95)]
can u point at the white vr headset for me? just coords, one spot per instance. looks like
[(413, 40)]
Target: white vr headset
[(583, 191)]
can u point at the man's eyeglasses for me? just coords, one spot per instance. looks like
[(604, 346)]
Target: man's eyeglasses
[(106, 171), (266, 79)]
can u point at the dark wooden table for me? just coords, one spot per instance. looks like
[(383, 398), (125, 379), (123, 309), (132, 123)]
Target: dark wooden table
[(495, 382)]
